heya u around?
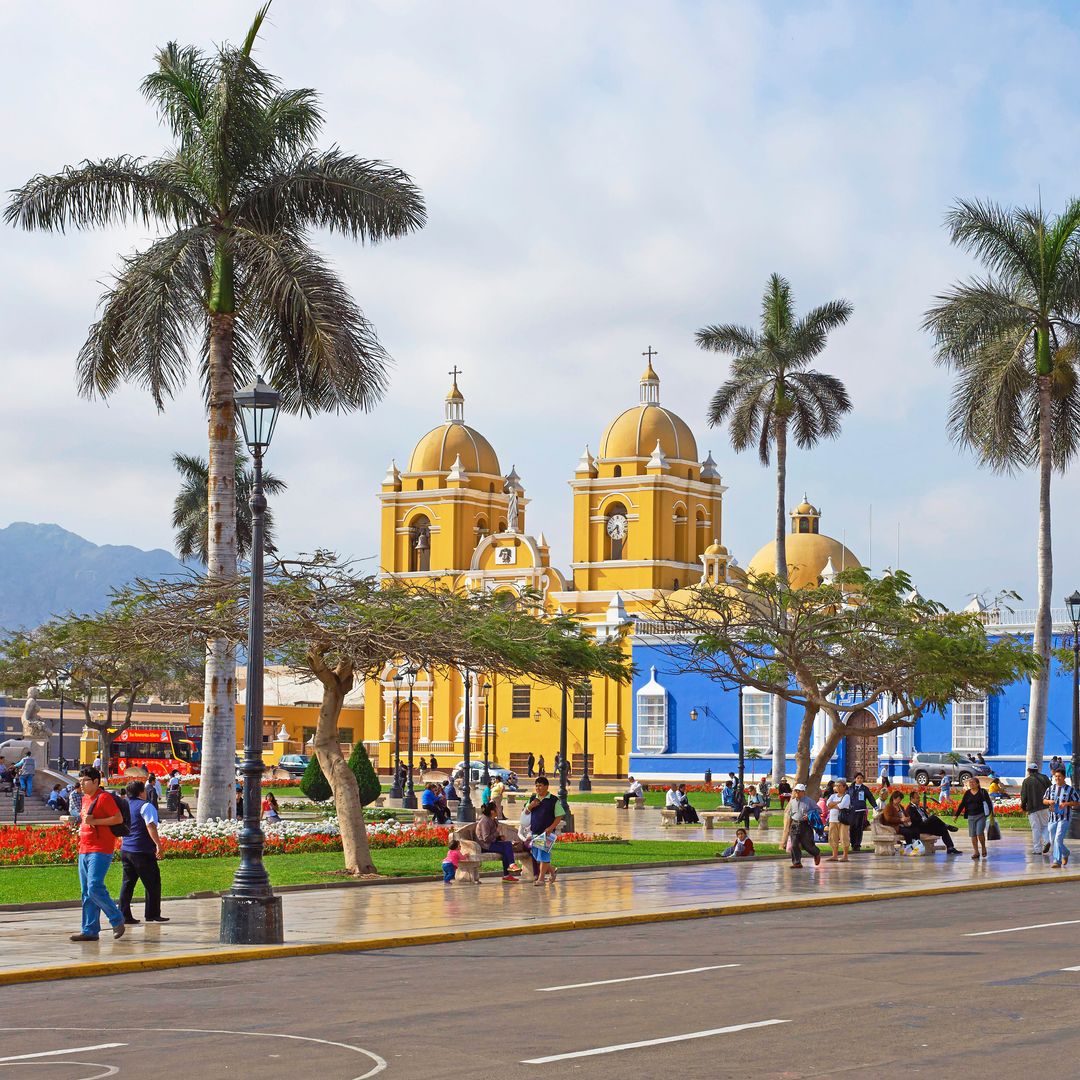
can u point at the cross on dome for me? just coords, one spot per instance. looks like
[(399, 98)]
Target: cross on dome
[(455, 400), (650, 381)]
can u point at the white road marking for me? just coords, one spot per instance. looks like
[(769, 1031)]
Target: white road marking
[(1015, 929), (634, 978), (653, 1042), (1071, 969), (59, 1053)]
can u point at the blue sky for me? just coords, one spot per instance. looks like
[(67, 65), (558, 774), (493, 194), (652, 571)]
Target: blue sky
[(600, 177)]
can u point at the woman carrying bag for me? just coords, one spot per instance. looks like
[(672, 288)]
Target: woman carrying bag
[(977, 806)]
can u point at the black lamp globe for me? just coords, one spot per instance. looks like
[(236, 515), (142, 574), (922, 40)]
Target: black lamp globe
[(1073, 604), (258, 405)]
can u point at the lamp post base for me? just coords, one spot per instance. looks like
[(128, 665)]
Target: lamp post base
[(466, 811), (409, 801), (251, 920), (585, 783)]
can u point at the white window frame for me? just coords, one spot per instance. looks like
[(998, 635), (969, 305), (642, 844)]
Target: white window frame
[(971, 725), (757, 702), (652, 717)]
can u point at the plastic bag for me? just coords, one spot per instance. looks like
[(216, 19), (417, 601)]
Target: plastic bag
[(993, 829)]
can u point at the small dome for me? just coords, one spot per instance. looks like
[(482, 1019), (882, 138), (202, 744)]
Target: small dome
[(436, 451), (716, 548), (805, 508)]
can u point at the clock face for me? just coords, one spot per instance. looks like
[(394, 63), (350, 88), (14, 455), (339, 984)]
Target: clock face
[(616, 526)]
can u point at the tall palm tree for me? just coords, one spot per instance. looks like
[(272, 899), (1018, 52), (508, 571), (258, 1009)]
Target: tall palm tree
[(232, 276), (1011, 338), (191, 508), (770, 393)]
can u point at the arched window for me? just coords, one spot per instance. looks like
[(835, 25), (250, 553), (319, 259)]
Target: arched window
[(491, 489), (652, 717), (701, 540), (616, 530), (502, 526), (419, 544), (804, 525), (681, 525), (617, 471), (481, 527), (419, 485)]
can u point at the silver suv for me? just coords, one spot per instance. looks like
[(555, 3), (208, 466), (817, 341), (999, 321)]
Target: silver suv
[(930, 768)]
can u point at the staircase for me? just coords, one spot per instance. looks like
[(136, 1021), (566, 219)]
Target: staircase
[(34, 811)]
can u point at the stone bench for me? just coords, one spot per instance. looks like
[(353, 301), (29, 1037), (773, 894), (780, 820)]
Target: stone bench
[(887, 840), (637, 801), (472, 858)]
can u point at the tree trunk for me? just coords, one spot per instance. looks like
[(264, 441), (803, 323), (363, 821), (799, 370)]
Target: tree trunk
[(218, 766), (1040, 684), (350, 813), (802, 747), (779, 706)]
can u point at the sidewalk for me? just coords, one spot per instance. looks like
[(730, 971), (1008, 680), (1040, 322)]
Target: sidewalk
[(355, 919)]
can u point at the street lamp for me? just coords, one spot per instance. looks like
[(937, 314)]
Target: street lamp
[(250, 912), (395, 786), (408, 799), (62, 680), (585, 783), (485, 778), (466, 811), (742, 751), (1073, 604), (568, 818)]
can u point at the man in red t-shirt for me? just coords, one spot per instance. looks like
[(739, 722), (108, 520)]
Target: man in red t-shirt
[(97, 842)]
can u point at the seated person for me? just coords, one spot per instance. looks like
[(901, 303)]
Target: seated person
[(997, 789), (487, 836), (755, 805), (449, 791), (498, 789), (684, 812), (634, 790), (7, 773), (436, 807), (57, 800), (783, 789), (727, 794), (742, 848), (921, 821), (892, 813)]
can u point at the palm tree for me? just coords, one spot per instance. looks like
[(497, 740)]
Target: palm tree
[(191, 510), (233, 275), (770, 392), (1011, 338)]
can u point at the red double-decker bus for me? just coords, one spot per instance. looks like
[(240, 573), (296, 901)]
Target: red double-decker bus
[(157, 750)]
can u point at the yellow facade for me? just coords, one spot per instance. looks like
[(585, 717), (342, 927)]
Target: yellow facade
[(645, 510)]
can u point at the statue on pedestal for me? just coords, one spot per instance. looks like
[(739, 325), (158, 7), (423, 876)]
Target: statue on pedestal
[(34, 726)]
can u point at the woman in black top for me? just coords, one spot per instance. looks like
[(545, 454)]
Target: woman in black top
[(977, 807)]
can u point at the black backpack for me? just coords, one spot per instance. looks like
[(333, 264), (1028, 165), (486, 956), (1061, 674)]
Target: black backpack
[(124, 827)]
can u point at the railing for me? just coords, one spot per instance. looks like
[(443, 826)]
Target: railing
[(1022, 617)]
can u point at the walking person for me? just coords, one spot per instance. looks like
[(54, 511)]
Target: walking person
[(540, 769), (545, 817), (862, 801), (977, 806), (97, 844), (27, 768), (838, 805), (802, 833), (1032, 793), (1061, 799), (530, 764), (139, 854), (434, 763), (945, 791)]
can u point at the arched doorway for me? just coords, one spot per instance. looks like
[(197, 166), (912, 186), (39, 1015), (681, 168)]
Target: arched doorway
[(403, 722), (861, 751)]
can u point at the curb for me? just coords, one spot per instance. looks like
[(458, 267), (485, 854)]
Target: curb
[(236, 955)]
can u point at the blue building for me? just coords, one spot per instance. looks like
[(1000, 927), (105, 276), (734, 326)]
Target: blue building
[(684, 723)]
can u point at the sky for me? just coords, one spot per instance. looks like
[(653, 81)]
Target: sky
[(600, 178)]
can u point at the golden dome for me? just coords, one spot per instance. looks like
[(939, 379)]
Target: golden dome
[(436, 451), (716, 548), (635, 432), (805, 508), (807, 556)]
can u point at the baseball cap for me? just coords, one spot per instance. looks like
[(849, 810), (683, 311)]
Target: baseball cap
[(799, 787), (1032, 766)]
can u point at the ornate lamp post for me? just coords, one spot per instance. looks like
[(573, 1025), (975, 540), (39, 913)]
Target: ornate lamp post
[(466, 811), (485, 778), (585, 783), (395, 786), (1073, 604), (408, 800), (250, 912), (62, 680), (568, 818)]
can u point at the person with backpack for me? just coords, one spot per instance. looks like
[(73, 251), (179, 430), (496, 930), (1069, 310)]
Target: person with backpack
[(101, 822), (139, 854), (1032, 792)]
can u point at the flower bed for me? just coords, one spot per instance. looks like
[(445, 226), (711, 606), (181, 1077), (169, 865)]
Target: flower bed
[(34, 846)]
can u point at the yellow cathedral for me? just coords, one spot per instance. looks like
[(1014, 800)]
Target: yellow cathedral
[(645, 510)]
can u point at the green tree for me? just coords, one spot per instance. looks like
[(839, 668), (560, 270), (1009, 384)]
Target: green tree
[(191, 509), (366, 779), (313, 783), (771, 393), (1011, 339), (232, 276), (839, 649)]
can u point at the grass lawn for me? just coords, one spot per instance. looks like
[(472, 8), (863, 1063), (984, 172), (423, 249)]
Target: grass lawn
[(182, 876)]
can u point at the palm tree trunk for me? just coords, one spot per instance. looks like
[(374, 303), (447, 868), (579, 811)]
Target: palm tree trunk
[(1040, 685), (779, 706), (219, 717)]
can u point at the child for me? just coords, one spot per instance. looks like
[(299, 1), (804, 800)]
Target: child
[(742, 848), (451, 861)]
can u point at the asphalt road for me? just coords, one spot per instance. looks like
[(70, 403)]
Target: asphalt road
[(885, 990)]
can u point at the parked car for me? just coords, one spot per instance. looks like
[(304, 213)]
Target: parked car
[(930, 768), (294, 764), (476, 770)]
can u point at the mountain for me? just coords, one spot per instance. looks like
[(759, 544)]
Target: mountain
[(46, 570)]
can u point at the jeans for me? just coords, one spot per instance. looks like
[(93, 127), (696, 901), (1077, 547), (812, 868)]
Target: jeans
[(505, 850), (1039, 820), (93, 867), (1059, 830), (448, 871), (26, 780)]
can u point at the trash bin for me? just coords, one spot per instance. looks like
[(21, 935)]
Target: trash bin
[(708, 776)]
